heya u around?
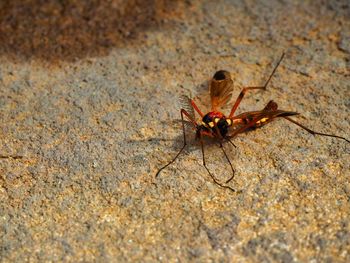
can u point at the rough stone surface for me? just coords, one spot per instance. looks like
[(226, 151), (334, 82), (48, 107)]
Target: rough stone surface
[(93, 130)]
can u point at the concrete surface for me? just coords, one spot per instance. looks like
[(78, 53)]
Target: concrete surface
[(91, 124)]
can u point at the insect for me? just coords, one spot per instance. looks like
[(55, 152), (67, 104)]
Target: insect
[(221, 128)]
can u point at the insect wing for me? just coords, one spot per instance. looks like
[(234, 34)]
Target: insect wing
[(185, 103), (255, 119), (220, 88)]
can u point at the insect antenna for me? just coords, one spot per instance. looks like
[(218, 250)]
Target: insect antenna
[(314, 132)]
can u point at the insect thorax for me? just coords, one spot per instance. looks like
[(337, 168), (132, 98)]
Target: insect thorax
[(215, 121)]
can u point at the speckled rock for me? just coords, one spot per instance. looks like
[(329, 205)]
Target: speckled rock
[(82, 137)]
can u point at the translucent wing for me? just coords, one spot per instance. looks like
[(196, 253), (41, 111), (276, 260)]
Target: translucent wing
[(185, 102), (256, 119), (220, 88)]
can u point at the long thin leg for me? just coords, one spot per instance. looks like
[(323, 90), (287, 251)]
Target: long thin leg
[(220, 138), (314, 132), (196, 108), (212, 176), (183, 112), (228, 159), (231, 142), (222, 148), (241, 95)]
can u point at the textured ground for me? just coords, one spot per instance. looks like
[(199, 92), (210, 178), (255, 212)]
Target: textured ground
[(92, 122)]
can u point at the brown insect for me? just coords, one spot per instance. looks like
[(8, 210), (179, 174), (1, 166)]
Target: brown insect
[(216, 125)]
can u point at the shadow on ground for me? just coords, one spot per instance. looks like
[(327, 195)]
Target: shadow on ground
[(69, 30)]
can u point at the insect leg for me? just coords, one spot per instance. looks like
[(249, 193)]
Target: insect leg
[(228, 159), (212, 176), (222, 148), (196, 108), (241, 95), (314, 132), (227, 138), (183, 112)]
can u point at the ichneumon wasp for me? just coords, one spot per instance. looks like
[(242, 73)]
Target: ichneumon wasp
[(221, 128)]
